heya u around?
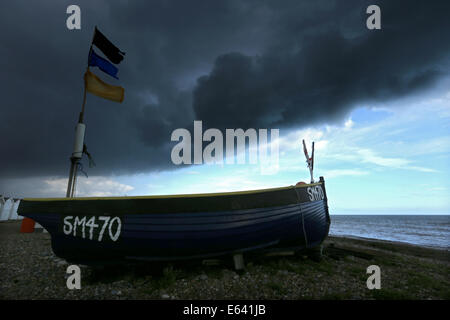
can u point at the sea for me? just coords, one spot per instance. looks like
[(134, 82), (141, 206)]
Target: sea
[(423, 230)]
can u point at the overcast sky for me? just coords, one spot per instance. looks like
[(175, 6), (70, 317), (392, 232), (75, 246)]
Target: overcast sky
[(299, 66)]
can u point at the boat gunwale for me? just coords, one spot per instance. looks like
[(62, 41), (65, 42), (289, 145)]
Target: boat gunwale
[(193, 195)]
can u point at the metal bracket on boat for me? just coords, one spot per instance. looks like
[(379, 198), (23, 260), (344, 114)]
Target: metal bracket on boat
[(309, 160)]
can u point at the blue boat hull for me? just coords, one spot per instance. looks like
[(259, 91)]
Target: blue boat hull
[(130, 233)]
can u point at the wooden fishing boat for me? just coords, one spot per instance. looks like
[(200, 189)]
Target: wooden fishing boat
[(163, 228)]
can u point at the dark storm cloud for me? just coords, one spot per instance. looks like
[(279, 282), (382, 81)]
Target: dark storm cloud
[(316, 77), (229, 63)]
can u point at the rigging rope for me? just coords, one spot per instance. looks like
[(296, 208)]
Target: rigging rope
[(80, 167), (303, 219), (91, 160)]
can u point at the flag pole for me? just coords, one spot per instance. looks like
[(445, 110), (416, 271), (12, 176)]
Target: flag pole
[(79, 139)]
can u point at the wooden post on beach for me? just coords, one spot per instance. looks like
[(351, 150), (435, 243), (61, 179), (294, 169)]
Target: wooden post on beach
[(238, 259)]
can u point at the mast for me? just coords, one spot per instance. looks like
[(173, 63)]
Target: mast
[(309, 161), (79, 141)]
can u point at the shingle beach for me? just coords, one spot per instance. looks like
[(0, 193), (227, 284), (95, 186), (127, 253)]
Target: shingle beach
[(30, 270)]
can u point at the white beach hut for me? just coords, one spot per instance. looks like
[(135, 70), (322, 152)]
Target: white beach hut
[(6, 208), (13, 213), (2, 203)]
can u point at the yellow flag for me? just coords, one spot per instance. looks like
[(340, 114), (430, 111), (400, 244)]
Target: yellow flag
[(96, 86)]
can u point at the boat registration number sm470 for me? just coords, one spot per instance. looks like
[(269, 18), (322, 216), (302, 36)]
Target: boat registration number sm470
[(97, 228), (315, 193)]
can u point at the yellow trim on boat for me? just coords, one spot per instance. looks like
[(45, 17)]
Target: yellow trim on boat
[(194, 195)]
